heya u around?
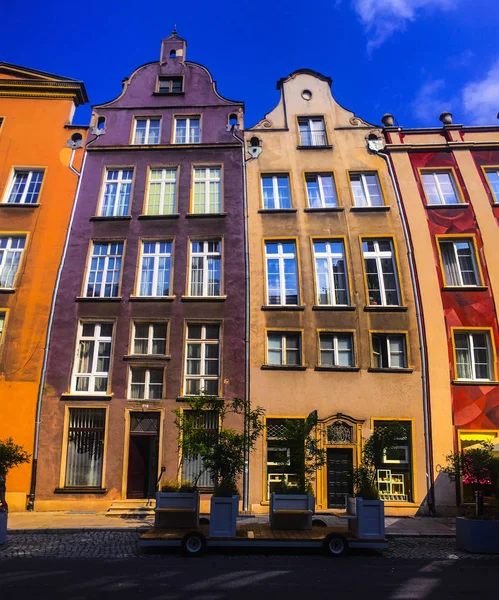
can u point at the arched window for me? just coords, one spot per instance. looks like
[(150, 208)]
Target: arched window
[(173, 54), (76, 137), (101, 123), (233, 119), (75, 141)]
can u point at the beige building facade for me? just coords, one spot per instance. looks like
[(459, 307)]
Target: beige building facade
[(333, 323)]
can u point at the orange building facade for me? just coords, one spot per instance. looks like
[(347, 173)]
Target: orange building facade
[(41, 158)]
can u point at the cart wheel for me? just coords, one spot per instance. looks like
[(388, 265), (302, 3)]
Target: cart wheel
[(335, 545), (193, 544)]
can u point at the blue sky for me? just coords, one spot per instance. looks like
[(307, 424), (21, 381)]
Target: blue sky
[(413, 58)]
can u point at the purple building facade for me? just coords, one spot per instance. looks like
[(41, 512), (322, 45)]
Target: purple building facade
[(151, 304)]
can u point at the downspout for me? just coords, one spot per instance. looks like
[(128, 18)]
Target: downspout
[(246, 324), (31, 497), (430, 479)]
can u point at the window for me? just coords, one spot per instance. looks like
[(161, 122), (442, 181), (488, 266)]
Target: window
[(440, 187), (366, 189), (24, 187), (312, 131), (459, 261), (321, 190), (3, 316), (202, 359), (115, 201), (11, 250), (381, 274), (205, 278), (336, 350), (149, 338), (276, 191), (187, 130), (85, 450), (331, 273), (473, 355), (147, 131), (282, 273), (394, 466), (493, 179), (155, 269), (193, 469), (145, 384), (207, 197), (105, 270), (469, 439), (389, 351), (162, 192), (93, 358), (284, 349), (170, 85), (283, 455)]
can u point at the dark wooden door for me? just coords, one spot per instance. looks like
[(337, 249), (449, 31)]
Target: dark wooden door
[(142, 466), (339, 475)]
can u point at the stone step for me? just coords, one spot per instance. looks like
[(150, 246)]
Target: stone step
[(138, 508)]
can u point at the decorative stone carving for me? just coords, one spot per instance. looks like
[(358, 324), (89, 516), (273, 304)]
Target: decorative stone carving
[(339, 433)]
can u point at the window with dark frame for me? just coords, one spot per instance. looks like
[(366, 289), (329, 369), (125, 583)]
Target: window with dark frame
[(170, 85), (394, 469)]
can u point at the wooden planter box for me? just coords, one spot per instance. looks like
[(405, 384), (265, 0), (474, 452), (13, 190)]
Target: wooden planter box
[(223, 516), (474, 535), (177, 510), (3, 527), (368, 520), (291, 511)]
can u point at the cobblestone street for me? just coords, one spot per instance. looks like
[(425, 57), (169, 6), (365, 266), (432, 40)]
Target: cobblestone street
[(123, 544)]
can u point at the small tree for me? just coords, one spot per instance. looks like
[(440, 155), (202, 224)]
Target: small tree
[(222, 451), (381, 440), (11, 455), (305, 453), (476, 467)]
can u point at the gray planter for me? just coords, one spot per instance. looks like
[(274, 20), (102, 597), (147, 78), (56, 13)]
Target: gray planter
[(368, 520), (474, 535), (291, 511), (177, 510), (3, 527), (223, 516)]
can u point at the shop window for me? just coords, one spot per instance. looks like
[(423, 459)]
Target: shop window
[(281, 456), (394, 468)]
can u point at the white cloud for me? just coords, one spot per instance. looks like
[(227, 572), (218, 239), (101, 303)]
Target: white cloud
[(481, 98), (383, 17), (430, 101)]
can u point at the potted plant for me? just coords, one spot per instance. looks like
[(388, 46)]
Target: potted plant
[(177, 505), (366, 507), (293, 504), (11, 455), (477, 467), (222, 452)]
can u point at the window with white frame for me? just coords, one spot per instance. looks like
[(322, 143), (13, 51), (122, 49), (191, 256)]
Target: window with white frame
[(147, 130), (155, 268), (493, 179), (145, 383), (336, 350), (366, 189), (321, 190), (207, 194), (283, 348), (202, 359), (312, 131), (389, 351), (205, 277), (11, 250), (104, 271), (162, 191), (440, 187), (3, 316), (331, 272), (459, 261), (115, 201), (24, 187), (93, 358), (187, 130), (282, 273), (149, 338), (85, 448), (381, 272), (473, 355), (276, 191)]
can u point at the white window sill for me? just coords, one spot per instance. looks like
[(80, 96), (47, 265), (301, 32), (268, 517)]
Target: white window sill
[(86, 396), (151, 298)]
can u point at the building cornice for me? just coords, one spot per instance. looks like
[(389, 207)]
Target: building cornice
[(447, 147), (175, 147), (51, 90)]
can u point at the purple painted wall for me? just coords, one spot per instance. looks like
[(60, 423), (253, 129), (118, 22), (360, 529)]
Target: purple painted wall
[(217, 146)]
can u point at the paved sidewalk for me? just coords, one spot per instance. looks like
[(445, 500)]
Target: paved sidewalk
[(55, 522)]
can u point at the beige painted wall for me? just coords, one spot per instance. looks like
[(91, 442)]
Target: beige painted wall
[(362, 395)]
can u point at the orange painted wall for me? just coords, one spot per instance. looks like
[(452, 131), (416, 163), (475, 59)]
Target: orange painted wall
[(33, 134)]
